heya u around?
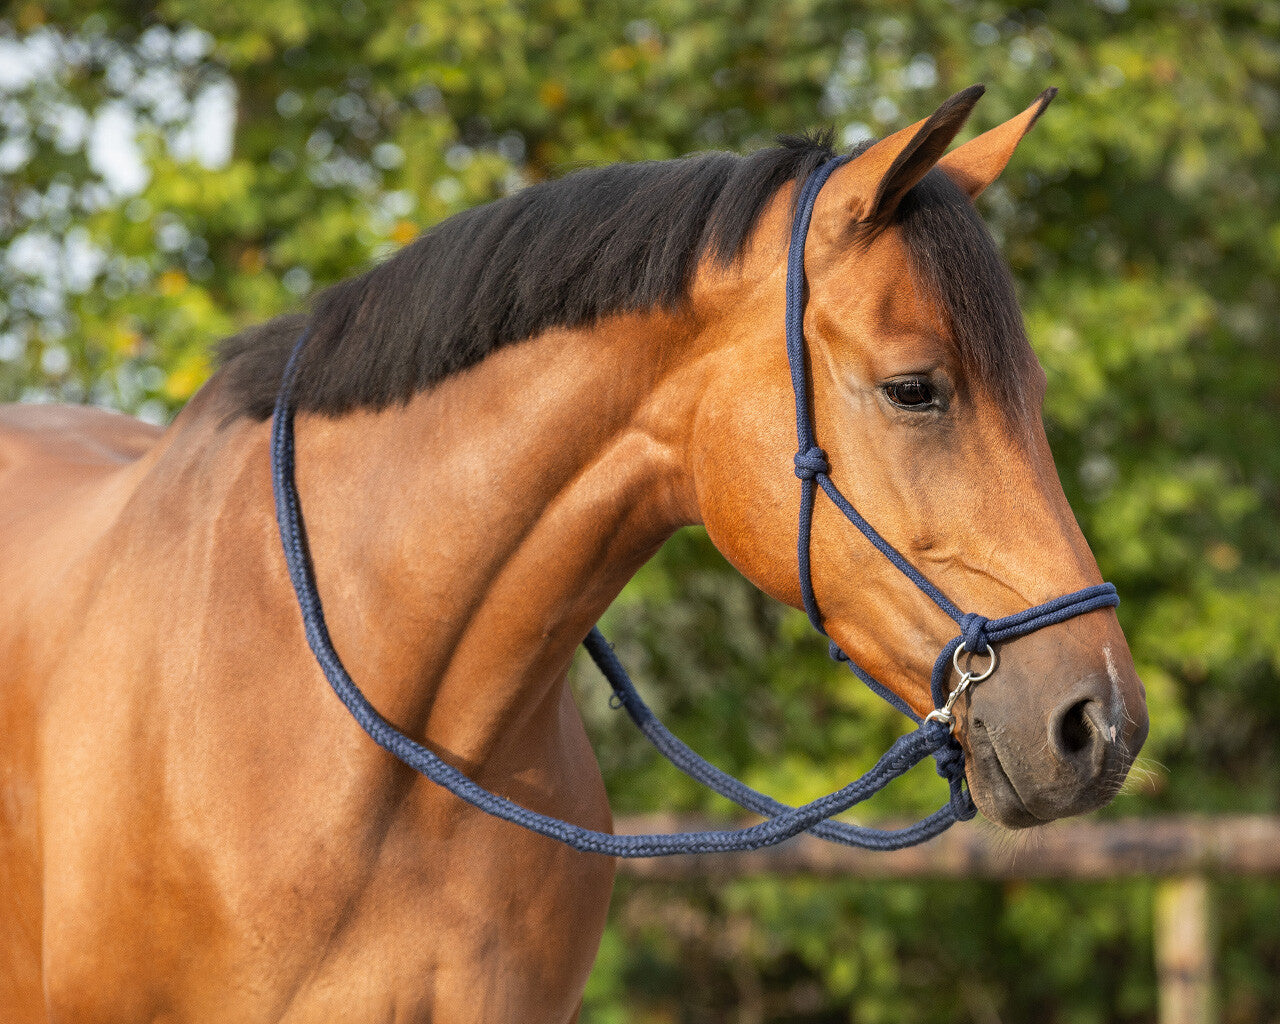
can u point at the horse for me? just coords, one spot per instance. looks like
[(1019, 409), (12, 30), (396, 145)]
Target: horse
[(495, 428)]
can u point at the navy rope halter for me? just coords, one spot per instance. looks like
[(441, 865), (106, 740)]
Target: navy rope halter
[(932, 735)]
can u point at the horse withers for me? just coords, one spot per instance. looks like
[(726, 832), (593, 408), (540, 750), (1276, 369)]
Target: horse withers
[(494, 429)]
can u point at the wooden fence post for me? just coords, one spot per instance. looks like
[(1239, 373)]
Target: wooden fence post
[(1184, 951)]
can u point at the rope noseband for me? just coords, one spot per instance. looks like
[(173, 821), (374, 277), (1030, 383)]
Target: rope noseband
[(931, 737)]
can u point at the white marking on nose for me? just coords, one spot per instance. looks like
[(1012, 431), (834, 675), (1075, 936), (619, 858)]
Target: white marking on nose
[(1111, 666), (1114, 676)]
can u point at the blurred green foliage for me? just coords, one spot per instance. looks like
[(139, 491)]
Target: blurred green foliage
[(1139, 219)]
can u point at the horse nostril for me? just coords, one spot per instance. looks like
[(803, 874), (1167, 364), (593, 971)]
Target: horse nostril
[(1082, 735), (1075, 732)]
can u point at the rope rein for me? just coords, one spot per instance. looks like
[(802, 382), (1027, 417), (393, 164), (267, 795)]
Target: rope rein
[(931, 737)]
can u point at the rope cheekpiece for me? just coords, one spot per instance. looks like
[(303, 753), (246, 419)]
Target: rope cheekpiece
[(931, 737)]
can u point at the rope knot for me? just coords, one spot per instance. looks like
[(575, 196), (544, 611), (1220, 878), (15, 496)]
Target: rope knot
[(811, 462), (973, 631), (950, 761)]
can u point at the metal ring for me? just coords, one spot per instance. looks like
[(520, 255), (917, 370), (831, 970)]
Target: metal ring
[(955, 661)]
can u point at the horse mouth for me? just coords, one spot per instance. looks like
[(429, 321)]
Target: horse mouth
[(992, 788)]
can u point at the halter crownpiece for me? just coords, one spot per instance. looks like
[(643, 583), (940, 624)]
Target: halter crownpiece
[(932, 736)]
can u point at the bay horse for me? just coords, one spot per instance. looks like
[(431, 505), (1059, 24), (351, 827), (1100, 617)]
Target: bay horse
[(495, 428)]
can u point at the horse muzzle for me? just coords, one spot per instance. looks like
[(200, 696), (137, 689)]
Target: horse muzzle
[(1033, 760)]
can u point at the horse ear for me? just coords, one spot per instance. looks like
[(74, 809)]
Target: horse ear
[(978, 163), (872, 184)]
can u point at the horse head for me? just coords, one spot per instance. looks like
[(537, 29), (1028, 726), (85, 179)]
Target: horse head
[(925, 397)]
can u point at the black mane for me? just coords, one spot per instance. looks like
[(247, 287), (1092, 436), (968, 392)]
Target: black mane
[(566, 253)]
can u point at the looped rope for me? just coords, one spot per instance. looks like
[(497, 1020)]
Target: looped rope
[(783, 822), (973, 631), (811, 462)]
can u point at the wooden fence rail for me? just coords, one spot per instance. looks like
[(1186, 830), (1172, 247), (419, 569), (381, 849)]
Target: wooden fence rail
[(1073, 849), (1184, 853)]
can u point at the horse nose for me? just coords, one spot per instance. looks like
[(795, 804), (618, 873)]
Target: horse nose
[(1084, 731)]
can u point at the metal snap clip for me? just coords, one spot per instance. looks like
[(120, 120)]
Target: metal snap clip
[(944, 714)]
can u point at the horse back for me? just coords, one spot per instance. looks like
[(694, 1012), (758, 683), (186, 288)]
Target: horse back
[(69, 440), (60, 467)]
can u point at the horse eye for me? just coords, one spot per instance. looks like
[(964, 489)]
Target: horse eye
[(910, 394)]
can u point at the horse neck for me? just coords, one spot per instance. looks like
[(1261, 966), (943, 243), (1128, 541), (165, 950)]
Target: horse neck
[(464, 544)]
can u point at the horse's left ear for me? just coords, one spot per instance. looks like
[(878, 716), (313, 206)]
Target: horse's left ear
[(978, 163), (869, 187)]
